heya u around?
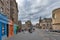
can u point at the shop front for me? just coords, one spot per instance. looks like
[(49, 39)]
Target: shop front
[(3, 25), (15, 28), (10, 28)]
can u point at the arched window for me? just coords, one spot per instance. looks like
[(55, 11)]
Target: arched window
[(54, 16)]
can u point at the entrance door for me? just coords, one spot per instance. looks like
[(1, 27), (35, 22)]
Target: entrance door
[(11, 32)]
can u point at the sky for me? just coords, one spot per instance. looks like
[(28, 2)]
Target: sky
[(34, 9)]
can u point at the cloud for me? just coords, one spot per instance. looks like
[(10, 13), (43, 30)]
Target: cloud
[(20, 2), (33, 9), (54, 6)]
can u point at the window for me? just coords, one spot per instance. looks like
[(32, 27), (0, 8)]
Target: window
[(54, 16), (1, 9), (3, 29), (6, 0), (7, 9), (11, 16), (2, 0)]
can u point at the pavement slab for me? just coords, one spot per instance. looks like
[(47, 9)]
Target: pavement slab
[(38, 34)]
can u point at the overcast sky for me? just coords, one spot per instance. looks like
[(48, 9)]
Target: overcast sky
[(33, 9)]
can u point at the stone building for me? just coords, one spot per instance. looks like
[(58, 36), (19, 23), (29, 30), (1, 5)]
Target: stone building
[(23, 26), (56, 19), (28, 24), (37, 25), (20, 24), (1, 6), (46, 23), (10, 9), (14, 11)]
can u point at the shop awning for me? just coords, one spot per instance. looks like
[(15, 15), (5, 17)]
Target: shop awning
[(3, 18)]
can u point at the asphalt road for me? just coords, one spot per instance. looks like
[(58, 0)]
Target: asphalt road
[(39, 34)]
